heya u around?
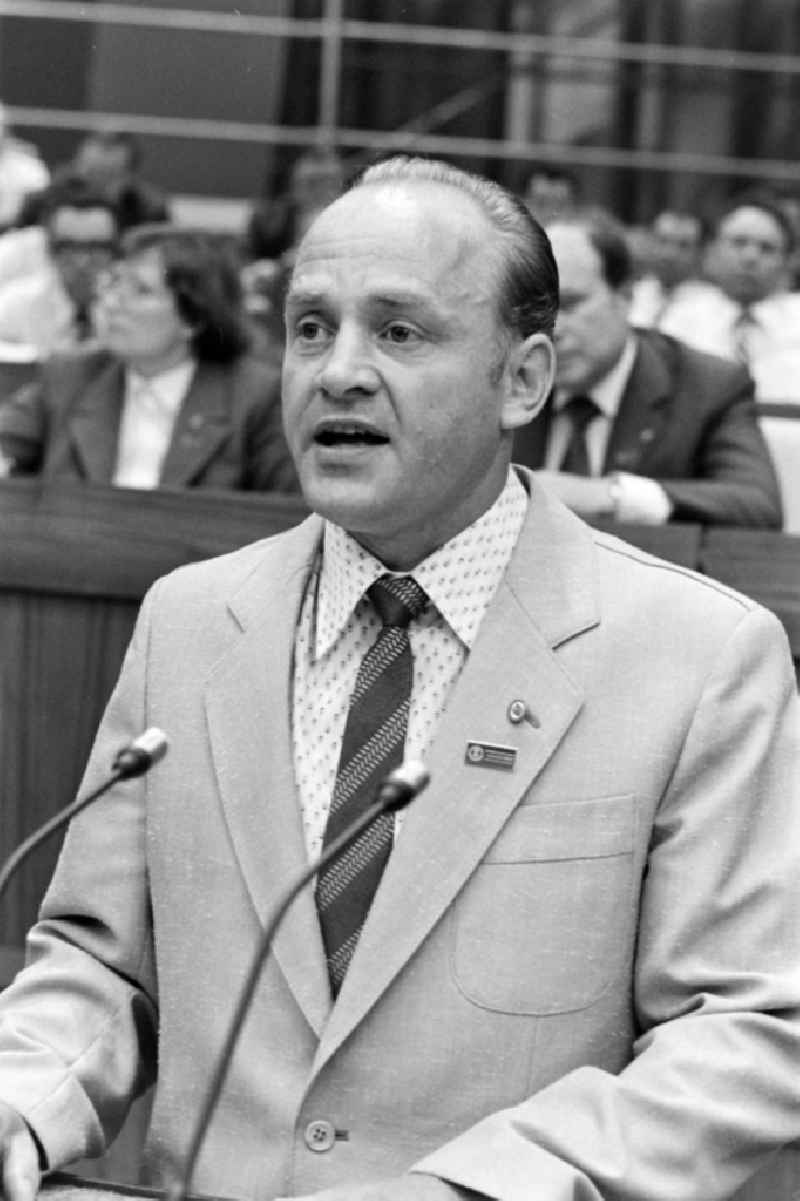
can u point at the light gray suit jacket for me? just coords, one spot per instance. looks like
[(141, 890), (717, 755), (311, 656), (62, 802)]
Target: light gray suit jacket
[(580, 978)]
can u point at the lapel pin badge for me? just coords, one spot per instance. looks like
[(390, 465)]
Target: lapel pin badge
[(518, 711), (490, 754)]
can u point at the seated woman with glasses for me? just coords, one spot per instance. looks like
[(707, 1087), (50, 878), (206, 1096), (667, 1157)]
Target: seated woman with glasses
[(166, 394)]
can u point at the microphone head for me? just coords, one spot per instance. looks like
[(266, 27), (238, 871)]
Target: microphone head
[(139, 756), (153, 743), (404, 783)]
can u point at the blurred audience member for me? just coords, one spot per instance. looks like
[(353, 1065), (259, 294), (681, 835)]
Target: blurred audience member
[(46, 306), (551, 192), (746, 311), (170, 396), (109, 162), (790, 203), (22, 172), (274, 231), (264, 285), (277, 224), (641, 427), (674, 267)]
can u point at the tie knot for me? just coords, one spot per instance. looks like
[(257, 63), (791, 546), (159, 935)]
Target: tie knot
[(398, 599), (581, 410)]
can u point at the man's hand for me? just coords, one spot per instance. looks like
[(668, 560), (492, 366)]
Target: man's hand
[(621, 495), (20, 1157), (411, 1187)]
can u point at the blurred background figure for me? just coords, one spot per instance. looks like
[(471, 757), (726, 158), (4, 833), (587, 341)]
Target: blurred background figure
[(277, 223), (169, 396), (674, 265), (641, 427), (110, 160), (275, 227), (746, 310), (48, 272), (22, 172), (551, 192)]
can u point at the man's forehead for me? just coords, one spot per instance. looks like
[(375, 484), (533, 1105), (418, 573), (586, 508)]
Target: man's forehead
[(751, 220), (401, 218), (392, 248)]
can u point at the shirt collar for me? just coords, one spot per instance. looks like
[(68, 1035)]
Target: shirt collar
[(607, 392), (168, 388), (460, 577)]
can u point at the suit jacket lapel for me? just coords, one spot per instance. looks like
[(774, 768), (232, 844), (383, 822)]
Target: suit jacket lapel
[(94, 424), (251, 747), (203, 422), (545, 599), (643, 410)]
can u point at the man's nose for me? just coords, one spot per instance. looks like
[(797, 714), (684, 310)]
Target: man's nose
[(348, 367), (750, 252)]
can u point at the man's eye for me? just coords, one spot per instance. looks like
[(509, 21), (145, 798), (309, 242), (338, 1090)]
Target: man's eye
[(400, 334), (309, 329)]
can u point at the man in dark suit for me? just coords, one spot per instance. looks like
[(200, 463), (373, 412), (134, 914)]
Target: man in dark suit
[(168, 396), (640, 426)]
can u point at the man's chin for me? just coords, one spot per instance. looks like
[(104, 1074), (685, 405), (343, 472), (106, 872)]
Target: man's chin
[(352, 505)]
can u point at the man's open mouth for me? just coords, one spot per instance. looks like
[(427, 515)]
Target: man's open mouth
[(348, 434)]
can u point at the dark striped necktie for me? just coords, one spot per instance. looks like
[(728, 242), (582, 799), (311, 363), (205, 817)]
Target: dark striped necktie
[(580, 410), (372, 746)]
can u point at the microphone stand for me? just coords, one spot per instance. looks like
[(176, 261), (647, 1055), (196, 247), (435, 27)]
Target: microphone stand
[(132, 760), (387, 801)]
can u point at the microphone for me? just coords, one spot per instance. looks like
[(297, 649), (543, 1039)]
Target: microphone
[(132, 760), (395, 792), (140, 755)]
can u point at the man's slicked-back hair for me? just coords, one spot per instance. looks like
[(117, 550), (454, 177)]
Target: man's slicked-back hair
[(528, 301)]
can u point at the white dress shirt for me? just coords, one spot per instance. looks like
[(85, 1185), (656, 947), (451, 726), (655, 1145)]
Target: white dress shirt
[(708, 319), (338, 624), (149, 412)]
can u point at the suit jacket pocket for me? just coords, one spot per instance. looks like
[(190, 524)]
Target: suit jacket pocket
[(546, 921)]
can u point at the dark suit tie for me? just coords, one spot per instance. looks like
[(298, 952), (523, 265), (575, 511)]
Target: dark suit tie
[(580, 410), (372, 745)]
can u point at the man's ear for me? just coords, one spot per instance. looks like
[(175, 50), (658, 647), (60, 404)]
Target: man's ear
[(530, 372)]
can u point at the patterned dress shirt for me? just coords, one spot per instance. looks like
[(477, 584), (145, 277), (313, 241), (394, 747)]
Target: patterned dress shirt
[(338, 624)]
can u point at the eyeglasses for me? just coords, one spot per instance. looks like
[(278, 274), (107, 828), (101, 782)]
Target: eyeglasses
[(126, 284), (77, 245)]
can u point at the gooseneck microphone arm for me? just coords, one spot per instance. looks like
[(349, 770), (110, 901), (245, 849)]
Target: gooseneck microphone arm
[(133, 760), (400, 787)]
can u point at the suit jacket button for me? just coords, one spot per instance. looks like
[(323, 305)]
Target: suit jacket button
[(319, 1135)]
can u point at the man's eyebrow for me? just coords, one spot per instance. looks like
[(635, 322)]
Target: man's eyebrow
[(307, 297), (394, 299)]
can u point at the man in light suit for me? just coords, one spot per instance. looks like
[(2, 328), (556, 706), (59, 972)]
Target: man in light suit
[(580, 973), (672, 434)]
